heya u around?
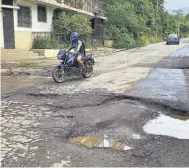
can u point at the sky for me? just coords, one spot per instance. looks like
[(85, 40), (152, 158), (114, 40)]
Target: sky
[(176, 4)]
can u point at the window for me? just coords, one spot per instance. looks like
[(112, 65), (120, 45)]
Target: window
[(173, 36), (7, 2), (24, 17), (42, 13)]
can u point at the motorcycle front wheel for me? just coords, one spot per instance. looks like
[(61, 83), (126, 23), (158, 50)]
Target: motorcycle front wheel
[(58, 75), (88, 69)]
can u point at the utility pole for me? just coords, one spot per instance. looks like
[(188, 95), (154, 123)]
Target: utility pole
[(179, 25)]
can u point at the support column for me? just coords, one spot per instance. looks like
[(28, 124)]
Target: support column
[(1, 27)]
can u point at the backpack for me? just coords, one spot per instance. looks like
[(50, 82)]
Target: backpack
[(83, 48)]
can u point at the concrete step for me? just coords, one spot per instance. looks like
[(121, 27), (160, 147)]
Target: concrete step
[(10, 54), (19, 54), (14, 50)]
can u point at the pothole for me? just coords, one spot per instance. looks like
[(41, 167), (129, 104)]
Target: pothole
[(99, 142), (10, 83), (180, 117), (176, 126)]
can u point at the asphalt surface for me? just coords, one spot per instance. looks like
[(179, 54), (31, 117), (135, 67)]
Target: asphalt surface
[(134, 111)]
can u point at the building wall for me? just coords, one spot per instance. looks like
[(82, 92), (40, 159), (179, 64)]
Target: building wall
[(36, 26), (23, 37), (1, 30)]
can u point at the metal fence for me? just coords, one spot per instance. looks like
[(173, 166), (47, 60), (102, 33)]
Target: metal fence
[(48, 40)]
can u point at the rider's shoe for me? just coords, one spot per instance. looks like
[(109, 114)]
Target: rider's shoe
[(81, 69)]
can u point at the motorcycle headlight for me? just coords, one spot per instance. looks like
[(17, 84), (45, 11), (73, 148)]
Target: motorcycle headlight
[(61, 54), (59, 57)]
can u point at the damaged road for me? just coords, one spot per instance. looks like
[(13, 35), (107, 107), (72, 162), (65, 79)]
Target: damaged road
[(134, 111)]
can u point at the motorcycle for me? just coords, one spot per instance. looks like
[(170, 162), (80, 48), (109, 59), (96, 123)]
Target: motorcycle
[(69, 67)]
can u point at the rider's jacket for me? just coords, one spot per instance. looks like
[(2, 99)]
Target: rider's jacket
[(79, 47)]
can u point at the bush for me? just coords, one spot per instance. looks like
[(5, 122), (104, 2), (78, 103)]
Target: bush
[(67, 23), (80, 24), (153, 39), (144, 40), (125, 41), (44, 43)]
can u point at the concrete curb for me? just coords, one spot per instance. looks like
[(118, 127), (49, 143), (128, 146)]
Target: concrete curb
[(26, 72), (5, 72)]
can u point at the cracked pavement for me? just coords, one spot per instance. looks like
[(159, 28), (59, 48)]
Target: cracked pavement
[(102, 114), (18, 133)]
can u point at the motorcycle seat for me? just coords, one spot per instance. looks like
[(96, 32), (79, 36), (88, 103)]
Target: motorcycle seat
[(88, 55)]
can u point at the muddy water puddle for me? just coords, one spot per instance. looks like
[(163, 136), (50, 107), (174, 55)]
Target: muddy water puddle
[(99, 142), (10, 83), (180, 117), (176, 126)]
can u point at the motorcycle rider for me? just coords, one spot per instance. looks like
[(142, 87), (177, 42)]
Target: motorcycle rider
[(79, 48)]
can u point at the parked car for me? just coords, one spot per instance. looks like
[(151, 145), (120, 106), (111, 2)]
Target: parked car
[(173, 39)]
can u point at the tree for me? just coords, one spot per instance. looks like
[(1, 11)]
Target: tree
[(124, 24), (169, 24), (67, 23), (187, 17), (130, 23)]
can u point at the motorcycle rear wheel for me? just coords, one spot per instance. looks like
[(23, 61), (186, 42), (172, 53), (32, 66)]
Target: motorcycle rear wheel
[(58, 75)]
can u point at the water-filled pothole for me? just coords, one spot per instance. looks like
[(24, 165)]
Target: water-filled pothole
[(99, 142), (180, 117), (176, 126), (11, 83)]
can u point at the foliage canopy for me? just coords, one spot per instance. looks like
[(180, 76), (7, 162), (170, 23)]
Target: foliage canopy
[(137, 22)]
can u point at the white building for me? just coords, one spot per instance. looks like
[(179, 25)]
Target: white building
[(19, 18)]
